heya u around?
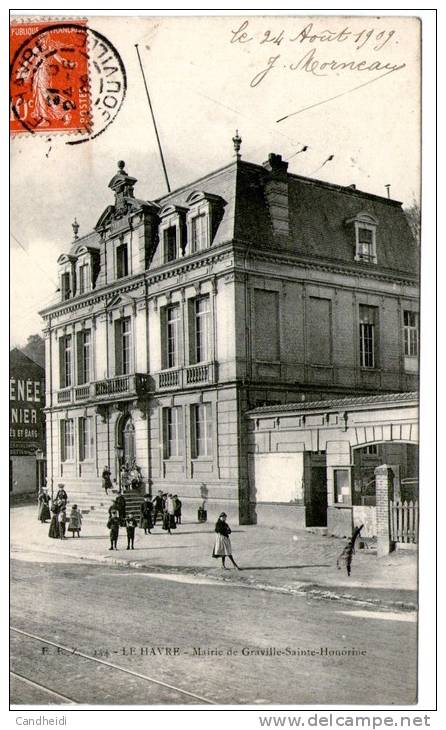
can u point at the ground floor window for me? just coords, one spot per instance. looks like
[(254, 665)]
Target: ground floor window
[(173, 431), (201, 421), (67, 440), (86, 442)]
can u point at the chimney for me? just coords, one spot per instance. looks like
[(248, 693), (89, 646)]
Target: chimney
[(276, 194)]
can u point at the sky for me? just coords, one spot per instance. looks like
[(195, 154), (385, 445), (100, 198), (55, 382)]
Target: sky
[(209, 76)]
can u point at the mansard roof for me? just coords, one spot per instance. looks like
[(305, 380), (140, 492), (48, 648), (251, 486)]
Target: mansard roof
[(319, 213)]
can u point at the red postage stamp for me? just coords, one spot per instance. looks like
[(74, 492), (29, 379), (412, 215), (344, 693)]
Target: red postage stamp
[(49, 82)]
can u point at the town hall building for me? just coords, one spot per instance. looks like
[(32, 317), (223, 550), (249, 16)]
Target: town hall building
[(190, 325)]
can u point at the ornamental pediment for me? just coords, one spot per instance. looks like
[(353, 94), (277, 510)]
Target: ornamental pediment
[(121, 300)]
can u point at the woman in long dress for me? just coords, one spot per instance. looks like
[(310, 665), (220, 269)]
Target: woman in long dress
[(54, 524), (43, 513), (222, 547)]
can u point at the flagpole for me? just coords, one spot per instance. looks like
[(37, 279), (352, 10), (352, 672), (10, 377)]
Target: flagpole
[(153, 120)]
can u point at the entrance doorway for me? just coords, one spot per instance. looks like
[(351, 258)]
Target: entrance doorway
[(128, 441), (317, 507)]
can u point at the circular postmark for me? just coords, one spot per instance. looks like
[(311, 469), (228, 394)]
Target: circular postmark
[(66, 78)]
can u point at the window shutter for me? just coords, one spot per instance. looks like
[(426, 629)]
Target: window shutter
[(118, 347), (81, 439), (163, 325), (180, 430), (192, 331), (63, 454), (79, 357), (62, 362), (165, 413)]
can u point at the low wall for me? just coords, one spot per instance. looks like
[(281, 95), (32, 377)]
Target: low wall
[(278, 515), (340, 521)]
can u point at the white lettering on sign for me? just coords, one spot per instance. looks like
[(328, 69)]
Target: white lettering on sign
[(24, 390)]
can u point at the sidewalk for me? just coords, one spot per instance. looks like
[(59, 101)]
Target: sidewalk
[(277, 559)]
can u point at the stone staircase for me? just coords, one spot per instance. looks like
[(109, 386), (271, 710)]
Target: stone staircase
[(94, 503)]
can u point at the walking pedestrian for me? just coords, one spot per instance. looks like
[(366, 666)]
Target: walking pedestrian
[(106, 479), (75, 523), (177, 511), (113, 525), (145, 521), (222, 546), (130, 525), (43, 512), (54, 524), (169, 523), (62, 522), (158, 506)]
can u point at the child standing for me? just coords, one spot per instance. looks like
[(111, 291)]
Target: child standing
[(113, 526), (130, 525), (75, 523), (62, 523)]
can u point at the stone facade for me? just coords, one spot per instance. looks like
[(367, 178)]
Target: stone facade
[(179, 315)]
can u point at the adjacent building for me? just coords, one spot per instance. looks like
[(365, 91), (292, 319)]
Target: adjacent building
[(26, 424), (249, 287)]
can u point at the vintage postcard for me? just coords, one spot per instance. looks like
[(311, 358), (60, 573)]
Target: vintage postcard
[(214, 360)]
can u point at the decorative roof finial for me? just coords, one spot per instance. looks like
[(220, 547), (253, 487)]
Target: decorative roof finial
[(75, 227), (237, 141), (121, 165)]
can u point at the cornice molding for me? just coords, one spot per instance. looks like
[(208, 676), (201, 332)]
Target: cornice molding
[(223, 251)]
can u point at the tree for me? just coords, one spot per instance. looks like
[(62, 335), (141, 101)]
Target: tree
[(35, 349), (413, 215)]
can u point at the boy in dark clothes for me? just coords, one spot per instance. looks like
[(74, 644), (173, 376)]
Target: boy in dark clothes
[(113, 526), (130, 525)]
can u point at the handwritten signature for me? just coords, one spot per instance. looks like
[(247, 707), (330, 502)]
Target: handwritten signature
[(310, 63)]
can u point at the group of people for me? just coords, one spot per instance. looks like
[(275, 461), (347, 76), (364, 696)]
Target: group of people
[(166, 507), (55, 510)]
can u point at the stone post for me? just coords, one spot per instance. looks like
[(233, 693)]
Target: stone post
[(384, 482)]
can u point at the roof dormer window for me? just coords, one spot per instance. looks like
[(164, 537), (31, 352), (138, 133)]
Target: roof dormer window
[(83, 278), (202, 219), (364, 226), (122, 261), (65, 286), (172, 232)]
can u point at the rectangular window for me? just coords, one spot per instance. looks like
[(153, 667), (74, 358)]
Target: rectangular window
[(170, 243), (67, 440), (65, 286), (126, 345), (368, 320), (173, 431), (83, 357), (319, 331), (172, 332), (198, 232), (83, 279), (123, 346), (202, 430), (266, 326), (342, 491), (122, 263), (411, 334), (65, 361), (365, 244), (202, 329), (85, 438)]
